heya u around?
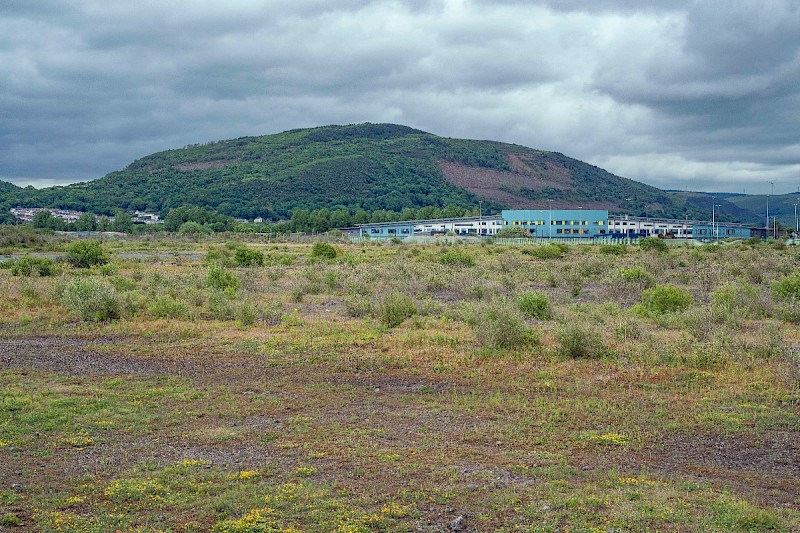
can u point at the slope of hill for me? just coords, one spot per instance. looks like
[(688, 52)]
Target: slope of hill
[(369, 166), (6, 187), (780, 205)]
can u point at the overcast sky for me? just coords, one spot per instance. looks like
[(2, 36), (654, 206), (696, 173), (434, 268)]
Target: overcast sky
[(687, 95)]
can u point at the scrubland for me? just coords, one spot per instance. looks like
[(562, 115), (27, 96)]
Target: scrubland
[(167, 385)]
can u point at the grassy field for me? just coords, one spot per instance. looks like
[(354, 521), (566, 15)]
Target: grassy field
[(185, 386)]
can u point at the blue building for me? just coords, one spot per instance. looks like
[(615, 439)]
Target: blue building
[(387, 230), (705, 231), (558, 223)]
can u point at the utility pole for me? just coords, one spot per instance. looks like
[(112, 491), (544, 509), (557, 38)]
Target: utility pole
[(550, 209), (715, 227), (795, 218), (773, 192)]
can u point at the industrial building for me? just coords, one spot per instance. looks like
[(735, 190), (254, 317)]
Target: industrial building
[(559, 224)]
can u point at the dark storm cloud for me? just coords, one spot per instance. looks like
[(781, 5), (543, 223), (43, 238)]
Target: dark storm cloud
[(664, 92)]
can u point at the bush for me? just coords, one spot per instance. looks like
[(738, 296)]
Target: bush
[(193, 228), (578, 343), (637, 276), (395, 308), (246, 257), (86, 254), (501, 327), (91, 300), (166, 307), (787, 288), (665, 299), (534, 305), (33, 266), (613, 249), (456, 258), (547, 251), (221, 279), (653, 244), (324, 251), (741, 299)]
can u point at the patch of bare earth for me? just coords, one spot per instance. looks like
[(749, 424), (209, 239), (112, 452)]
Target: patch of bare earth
[(528, 172)]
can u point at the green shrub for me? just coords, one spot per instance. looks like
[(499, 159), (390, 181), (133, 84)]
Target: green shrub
[(635, 275), (108, 269), (246, 257), (395, 308), (91, 300), (741, 299), (502, 327), (323, 251), (653, 244), (166, 307), (613, 249), (246, 315), (221, 279), (33, 266), (219, 306), (534, 305), (456, 258), (579, 342), (547, 251), (193, 228), (86, 254), (665, 299), (787, 288)]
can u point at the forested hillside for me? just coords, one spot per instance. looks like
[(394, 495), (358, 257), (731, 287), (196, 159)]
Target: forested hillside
[(364, 166)]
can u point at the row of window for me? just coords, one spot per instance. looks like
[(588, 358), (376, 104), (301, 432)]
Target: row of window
[(556, 223)]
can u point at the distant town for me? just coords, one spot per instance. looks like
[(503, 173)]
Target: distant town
[(26, 214)]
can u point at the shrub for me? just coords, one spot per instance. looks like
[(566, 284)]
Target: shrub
[(653, 244), (91, 300), (665, 299), (456, 258), (579, 342), (395, 308), (613, 249), (221, 279), (33, 266), (219, 306), (166, 307), (787, 288), (502, 327), (193, 228), (324, 251), (637, 276), (741, 299), (534, 305), (547, 251), (246, 257), (86, 254)]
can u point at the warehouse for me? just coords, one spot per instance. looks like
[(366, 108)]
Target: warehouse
[(558, 223)]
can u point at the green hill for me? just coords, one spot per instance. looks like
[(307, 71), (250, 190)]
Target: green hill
[(6, 187), (369, 166)]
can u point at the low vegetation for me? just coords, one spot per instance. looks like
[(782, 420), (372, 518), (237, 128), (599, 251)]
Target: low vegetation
[(178, 385)]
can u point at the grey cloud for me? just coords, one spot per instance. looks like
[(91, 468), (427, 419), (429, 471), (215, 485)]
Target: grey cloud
[(666, 92)]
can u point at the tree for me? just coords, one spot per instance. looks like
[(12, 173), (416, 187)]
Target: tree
[(86, 222), (122, 222)]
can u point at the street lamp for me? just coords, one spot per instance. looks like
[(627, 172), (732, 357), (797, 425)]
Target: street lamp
[(713, 225), (550, 222), (796, 229)]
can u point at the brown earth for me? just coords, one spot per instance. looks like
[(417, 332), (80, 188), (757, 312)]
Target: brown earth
[(528, 171)]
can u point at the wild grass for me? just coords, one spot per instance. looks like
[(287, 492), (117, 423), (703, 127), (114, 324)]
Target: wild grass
[(385, 389)]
